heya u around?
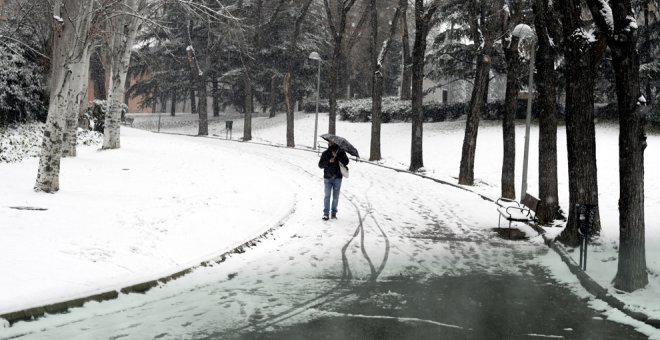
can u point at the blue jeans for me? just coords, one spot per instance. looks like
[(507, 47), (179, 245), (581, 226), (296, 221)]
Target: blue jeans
[(332, 186)]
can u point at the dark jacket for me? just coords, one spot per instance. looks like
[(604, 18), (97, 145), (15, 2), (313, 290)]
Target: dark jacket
[(331, 170)]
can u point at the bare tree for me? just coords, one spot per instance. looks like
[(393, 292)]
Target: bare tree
[(123, 29), (337, 30), (485, 21), (73, 34), (406, 72), (198, 76), (377, 74), (424, 12), (73, 108), (293, 45)]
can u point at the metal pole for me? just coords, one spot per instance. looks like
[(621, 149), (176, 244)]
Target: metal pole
[(159, 121), (316, 117), (530, 95), (586, 241)]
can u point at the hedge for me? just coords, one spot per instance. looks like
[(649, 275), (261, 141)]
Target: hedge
[(393, 109), (359, 110)]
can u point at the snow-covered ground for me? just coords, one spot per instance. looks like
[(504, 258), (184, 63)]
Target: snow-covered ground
[(442, 154), (165, 202), (127, 216)]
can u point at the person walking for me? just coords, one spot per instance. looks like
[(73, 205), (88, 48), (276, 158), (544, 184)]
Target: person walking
[(332, 177)]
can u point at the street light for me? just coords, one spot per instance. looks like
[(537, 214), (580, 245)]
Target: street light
[(316, 56), (523, 31)]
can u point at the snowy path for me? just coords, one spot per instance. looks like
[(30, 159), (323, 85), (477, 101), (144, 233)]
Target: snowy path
[(407, 256)]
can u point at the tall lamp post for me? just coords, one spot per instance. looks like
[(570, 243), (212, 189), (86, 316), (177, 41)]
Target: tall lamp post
[(316, 56), (523, 31)]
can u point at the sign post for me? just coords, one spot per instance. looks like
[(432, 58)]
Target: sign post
[(586, 216)]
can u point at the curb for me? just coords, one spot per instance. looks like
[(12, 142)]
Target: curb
[(64, 306), (596, 289)]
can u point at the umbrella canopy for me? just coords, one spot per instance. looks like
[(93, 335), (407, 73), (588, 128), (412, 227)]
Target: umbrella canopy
[(342, 142)]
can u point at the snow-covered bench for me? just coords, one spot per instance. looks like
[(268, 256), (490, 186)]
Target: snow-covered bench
[(525, 211), (128, 121)]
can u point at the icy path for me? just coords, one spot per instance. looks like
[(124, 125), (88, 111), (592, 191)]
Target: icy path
[(407, 257)]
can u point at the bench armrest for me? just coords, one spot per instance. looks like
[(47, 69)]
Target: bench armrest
[(506, 200), (522, 210)]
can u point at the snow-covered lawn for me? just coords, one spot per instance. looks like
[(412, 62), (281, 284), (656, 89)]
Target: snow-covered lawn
[(130, 215)]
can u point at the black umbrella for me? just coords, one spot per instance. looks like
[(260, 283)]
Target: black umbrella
[(342, 142)]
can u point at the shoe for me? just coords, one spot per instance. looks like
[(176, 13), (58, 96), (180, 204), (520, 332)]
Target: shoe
[(333, 216), (325, 217)]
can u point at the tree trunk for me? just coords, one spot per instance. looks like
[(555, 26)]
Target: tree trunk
[(193, 106), (337, 33), (273, 97), (98, 75), (216, 97), (289, 111), (406, 76), (79, 94), (376, 116), (513, 65), (422, 19), (646, 57), (376, 86), (377, 80), (466, 174), (202, 110), (548, 208), (290, 138), (481, 16), (292, 47), (631, 272), (247, 125), (127, 87), (71, 40), (334, 83), (582, 57), (173, 104), (124, 31), (163, 103), (153, 104)]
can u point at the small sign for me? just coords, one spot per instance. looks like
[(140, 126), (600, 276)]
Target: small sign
[(586, 216)]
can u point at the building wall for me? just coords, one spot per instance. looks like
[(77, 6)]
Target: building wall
[(133, 103)]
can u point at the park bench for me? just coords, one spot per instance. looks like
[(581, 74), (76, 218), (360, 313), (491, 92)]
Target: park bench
[(128, 121), (513, 211)]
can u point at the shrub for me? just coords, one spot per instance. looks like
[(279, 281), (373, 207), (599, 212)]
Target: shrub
[(22, 91), (96, 111), (654, 113), (608, 112), (20, 141), (393, 109), (310, 106), (396, 110)]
